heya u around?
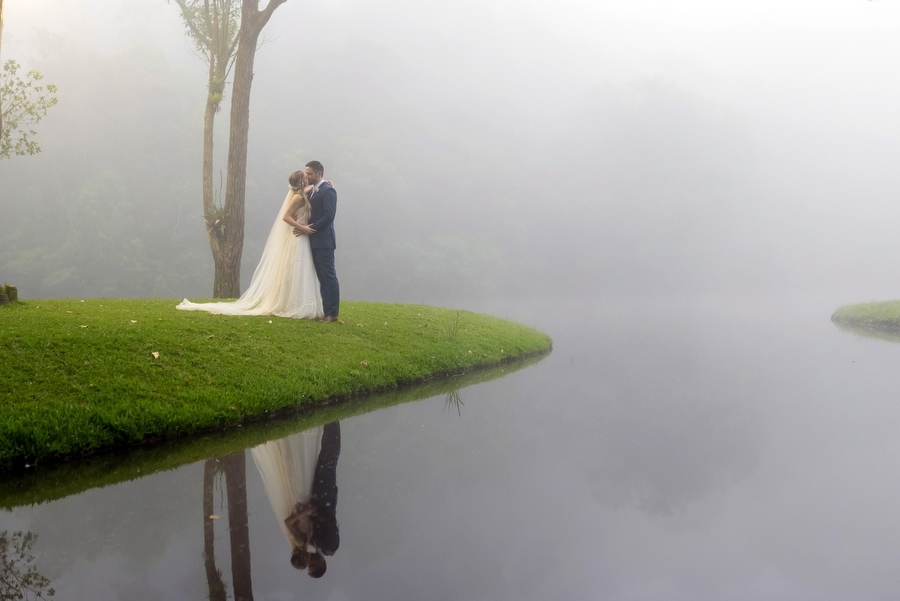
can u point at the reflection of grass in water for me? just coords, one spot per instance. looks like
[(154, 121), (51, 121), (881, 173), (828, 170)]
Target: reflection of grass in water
[(879, 320), (869, 331), (453, 400), (46, 484)]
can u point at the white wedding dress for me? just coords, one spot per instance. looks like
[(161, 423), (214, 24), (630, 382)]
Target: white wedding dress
[(284, 282)]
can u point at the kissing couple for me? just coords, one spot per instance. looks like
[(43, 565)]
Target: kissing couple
[(295, 276)]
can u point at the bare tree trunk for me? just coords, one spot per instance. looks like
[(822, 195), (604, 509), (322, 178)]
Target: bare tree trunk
[(228, 263), (211, 215), (219, 228)]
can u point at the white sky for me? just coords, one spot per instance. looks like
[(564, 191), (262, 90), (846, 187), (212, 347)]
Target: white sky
[(832, 64)]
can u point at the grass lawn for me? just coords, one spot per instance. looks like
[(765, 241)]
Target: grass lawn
[(882, 316), (83, 376)]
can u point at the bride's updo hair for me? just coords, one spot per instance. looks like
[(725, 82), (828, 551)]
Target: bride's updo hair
[(296, 180)]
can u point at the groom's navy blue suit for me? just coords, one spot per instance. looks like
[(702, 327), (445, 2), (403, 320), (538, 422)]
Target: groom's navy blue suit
[(323, 207)]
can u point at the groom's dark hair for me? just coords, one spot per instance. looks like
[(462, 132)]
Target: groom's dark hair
[(316, 166)]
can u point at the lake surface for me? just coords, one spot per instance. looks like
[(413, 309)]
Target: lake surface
[(668, 449)]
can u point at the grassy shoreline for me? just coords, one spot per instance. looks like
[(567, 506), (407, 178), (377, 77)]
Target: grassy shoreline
[(86, 376), (875, 317)]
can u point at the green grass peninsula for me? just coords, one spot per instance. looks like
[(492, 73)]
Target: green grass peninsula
[(81, 376), (876, 317)]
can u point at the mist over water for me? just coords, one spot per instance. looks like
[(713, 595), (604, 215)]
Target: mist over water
[(679, 193), (479, 149)]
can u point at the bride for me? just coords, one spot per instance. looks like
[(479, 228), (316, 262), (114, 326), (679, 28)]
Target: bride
[(284, 282)]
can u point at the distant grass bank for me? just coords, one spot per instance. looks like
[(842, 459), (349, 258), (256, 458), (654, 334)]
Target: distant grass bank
[(81, 376), (882, 316)]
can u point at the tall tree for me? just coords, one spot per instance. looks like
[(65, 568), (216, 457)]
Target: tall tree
[(227, 36)]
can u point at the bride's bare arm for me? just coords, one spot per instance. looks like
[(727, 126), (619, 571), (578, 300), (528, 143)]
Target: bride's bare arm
[(288, 216)]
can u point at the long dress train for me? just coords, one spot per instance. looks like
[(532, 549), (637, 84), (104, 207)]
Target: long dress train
[(284, 282)]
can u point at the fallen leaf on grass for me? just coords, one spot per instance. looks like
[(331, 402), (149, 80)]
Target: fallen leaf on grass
[(155, 355), (133, 321), (364, 362), (83, 326)]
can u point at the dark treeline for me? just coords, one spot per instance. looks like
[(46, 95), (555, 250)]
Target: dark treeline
[(458, 175)]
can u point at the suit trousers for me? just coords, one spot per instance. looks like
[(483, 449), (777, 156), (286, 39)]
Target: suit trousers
[(323, 259)]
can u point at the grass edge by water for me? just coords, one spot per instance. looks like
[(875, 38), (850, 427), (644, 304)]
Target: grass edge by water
[(84, 378)]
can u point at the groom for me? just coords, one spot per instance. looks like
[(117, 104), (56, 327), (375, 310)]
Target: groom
[(323, 206)]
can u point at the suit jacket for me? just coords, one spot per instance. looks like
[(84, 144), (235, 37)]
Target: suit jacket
[(323, 207), (325, 534)]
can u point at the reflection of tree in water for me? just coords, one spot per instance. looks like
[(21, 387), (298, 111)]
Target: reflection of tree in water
[(19, 580), (234, 470), (213, 574), (453, 400)]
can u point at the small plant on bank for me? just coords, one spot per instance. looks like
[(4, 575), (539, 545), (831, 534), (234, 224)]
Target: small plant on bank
[(453, 330)]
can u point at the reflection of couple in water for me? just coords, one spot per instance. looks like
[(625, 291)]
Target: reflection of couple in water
[(299, 473)]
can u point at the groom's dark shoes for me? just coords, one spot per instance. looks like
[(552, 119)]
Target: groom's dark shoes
[(327, 318)]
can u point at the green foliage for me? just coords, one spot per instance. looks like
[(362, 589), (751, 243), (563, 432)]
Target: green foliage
[(80, 376), (213, 26), (23, 103)]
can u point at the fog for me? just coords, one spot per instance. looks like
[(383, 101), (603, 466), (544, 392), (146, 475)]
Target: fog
[(479, 148)]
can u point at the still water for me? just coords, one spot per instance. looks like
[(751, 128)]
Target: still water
[(668, 449)]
